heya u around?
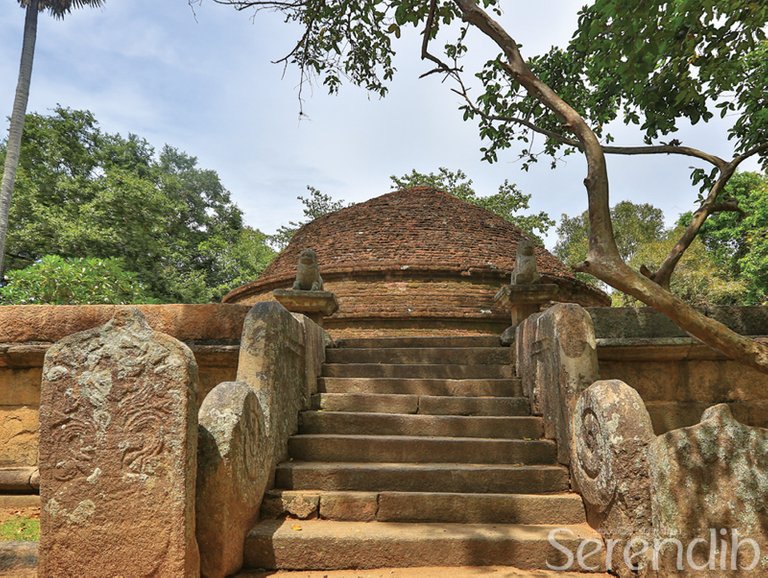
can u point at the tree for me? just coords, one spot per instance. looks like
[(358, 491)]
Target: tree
[(654, 62), (58, 9), (56, 281), (84, 193), (633, 225), (698, 280), (506, 202), (738, 240), (316, 205)]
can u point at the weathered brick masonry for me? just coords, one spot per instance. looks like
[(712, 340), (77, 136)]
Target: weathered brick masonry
[(413, 261)]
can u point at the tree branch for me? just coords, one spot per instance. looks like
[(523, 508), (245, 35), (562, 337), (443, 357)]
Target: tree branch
[(425, 53), (603, 259), (669, 149), (710, 205)]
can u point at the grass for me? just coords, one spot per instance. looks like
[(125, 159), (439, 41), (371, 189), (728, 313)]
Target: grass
[(20, 528)]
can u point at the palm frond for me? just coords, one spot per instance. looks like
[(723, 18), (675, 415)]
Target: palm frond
[(60, 8)]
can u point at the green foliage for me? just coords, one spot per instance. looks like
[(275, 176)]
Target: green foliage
[(738, 242), (60, 8), (20, 529), (663, 61), (642, 239), (316, 205), (82, 193), (633, 225), (506, 202), (57, 281), (697, 279)]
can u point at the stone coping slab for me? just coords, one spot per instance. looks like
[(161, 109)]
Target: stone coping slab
[(193, 322)]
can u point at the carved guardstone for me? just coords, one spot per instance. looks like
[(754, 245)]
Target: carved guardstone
[(118, 449)]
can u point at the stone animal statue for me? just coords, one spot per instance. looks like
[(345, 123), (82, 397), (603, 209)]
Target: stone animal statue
[(308, 274), (525, 271)]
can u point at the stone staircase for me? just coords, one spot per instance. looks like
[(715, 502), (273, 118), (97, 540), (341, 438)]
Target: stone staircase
[(419, 452)]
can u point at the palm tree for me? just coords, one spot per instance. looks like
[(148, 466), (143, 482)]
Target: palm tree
[(58, 9)]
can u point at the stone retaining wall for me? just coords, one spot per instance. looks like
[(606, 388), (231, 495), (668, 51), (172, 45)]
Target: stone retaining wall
[(677, 376), (27, 332)]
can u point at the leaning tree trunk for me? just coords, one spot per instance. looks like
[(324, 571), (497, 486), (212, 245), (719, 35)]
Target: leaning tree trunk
[(13, 146), (603, 259)]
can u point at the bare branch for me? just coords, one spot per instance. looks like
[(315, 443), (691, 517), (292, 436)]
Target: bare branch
[(442, 67), (710, 205)]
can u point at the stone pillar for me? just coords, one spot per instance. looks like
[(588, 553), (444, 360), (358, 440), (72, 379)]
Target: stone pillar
[(118, 442), (523, 301), (245, 426), (232, 475), (314, 304)]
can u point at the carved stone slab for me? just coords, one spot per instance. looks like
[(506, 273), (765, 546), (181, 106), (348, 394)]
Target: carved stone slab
[(118, 442), (713, 476), (307, 301)]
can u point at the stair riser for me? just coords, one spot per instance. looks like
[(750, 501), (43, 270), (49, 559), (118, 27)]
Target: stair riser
[(502, 480), (424, 371), (419, 342), (437, 387), (480, 509), (299, 551), (462, 356), (420, 450), (412, 425), (424, 507), (439, 405), (414, 404)]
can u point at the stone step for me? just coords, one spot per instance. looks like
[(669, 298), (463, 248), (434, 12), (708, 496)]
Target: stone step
[(419, 449), (400, 342), (361, 423), (399, 477), (482, 387), (418, 370), (562, 509), (425, 404), (408, 355), (327, 545), (421, 572)]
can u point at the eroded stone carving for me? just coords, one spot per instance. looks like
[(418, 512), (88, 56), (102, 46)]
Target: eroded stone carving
[(232, 475), (118, 446), (713, 475), (610, 435), (560, 343), (526, 271), (308, 273)]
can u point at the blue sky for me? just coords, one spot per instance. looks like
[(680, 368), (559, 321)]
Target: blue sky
[(204, 83)]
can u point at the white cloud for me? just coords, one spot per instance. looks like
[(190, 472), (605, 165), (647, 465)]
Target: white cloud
[(208, 87)]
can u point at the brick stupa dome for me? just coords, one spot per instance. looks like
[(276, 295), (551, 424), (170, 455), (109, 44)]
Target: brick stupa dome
[(416, 261)]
